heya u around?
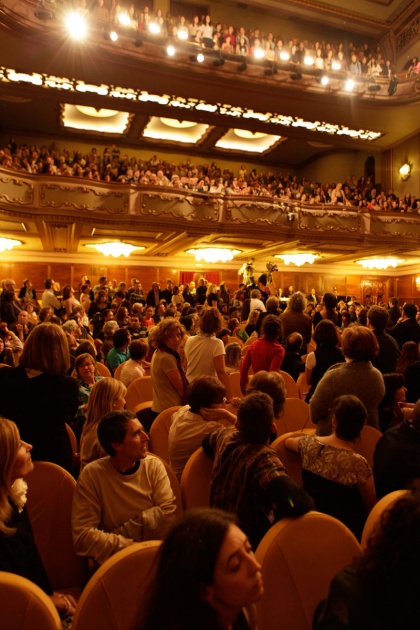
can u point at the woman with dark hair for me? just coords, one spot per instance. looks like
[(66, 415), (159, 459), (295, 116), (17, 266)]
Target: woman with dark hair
[(408, 364), (6, 354), (18, 551), (337, 478), (327, 353), (390, 410), (206, 576), (328, 310), (381, 589), (69, 301), (356, 376), (168, 379), (265, 353), (40, 397), (99, 304), (27, 293)]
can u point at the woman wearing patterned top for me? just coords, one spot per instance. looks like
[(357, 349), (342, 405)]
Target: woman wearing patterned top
[(339, 479)]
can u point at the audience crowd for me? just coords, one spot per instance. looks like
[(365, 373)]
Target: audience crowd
[(185, 337), (114, 166)]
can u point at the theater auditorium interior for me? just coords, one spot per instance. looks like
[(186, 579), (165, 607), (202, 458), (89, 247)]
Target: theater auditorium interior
[(139, 144)]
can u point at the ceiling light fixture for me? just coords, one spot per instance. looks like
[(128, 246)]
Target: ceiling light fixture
[(380, 263), (177, 124), (7, 244), (76, 26), (115, 248), (213, 254), (297, 259)]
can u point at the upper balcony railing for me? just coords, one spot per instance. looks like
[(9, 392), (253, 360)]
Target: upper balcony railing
[(49, 19), (152, 208)]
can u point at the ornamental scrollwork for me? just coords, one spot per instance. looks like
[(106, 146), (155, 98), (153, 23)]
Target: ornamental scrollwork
[(8, 191)]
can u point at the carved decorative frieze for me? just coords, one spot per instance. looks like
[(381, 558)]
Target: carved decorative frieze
[(330, 221), (394, 226), (15, 190), (180, 206), (258, 212), (85, 198), (412, 32)]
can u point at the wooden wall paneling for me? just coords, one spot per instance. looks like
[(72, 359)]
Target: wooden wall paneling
[(60, 273)]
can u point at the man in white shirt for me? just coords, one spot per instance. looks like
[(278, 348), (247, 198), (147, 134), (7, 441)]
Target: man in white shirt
[(256, 301), (48, 298), (123, 498)]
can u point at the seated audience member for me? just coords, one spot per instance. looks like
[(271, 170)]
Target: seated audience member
[(271, 383), (107, 333), (148, 320), (356, 376), (120, 352), (207, 575), (191, 423), (136, 364), (251, 322), (393, 407), (107, 395), (48, 297), (248, 478), (265, 353), (6, 354), (408, 328), (408, 364), (236, 332), (396, 461), (123, 498), (22, 327), (136, 328), (233, 357), (18, 550), (380, 589), (339, 479), (85, 368), (292, 363), (389, 351)]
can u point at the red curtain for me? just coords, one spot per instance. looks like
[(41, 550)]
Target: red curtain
[(212, 277), (185, 277)]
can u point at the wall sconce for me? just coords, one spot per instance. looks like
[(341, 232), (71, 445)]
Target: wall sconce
[(418, 283), (405, 170)]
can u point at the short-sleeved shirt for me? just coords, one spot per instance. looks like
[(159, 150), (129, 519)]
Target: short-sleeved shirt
[(200, 352), (164, 393), (240, 476)]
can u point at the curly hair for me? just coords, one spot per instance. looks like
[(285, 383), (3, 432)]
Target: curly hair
[(158, 334), (297, 302)]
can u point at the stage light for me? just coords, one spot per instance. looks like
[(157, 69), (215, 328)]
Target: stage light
[(170, 51), (349, 85), (284, 56), (124, 19), (308, 60), (154, 28), (200, 57), (259, 53), (336, 65), (324, 80), (76, 25), (113, 36), (182, 34)]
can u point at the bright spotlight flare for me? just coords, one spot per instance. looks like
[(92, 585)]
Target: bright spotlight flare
[(154, 28), (76, 25), (124, 19)]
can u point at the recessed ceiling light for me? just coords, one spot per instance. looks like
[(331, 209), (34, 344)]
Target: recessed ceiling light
[(96, 113), (178, 124)]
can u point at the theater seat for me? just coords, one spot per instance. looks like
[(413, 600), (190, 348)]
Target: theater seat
[(195, 480), (376, 512), (24, 606)]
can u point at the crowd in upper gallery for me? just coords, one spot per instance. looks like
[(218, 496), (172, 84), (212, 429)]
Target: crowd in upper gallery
[(211, 34), (114, 167)]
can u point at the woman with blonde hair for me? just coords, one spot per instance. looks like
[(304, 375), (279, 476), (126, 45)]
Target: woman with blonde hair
[(40, 397), (18, 551), (106, 395), (168, 378)]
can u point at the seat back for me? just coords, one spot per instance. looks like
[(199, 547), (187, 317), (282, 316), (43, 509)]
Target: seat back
[(117, 591), (291, 387), (102, 370), (117, 373), (235, 384), (140, 390), (195, 480), (295, 417), (159, 432), (302, 385), (50, 498), (375, 515), (24, 606), (299, 558), (290, 459), (369, 436)]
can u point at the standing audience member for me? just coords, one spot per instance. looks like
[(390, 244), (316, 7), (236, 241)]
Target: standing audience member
[(386, 359), (356, 376), (40, 397), (327, 354), (265, 353), (408, 364), (292, 363), (408, 328), (294, 319)]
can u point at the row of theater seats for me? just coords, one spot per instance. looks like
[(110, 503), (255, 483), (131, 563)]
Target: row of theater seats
[(299, 558)]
